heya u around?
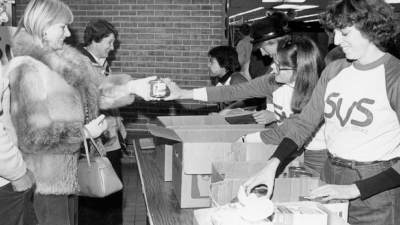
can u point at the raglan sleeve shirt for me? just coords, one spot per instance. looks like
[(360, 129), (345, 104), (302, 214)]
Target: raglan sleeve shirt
[(299, 128), (390, 178), (259, 87)]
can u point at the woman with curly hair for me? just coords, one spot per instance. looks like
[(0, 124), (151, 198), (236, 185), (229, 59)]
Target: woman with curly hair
[(358, 99)]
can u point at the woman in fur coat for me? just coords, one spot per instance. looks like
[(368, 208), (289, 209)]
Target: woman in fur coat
[(53, 97)]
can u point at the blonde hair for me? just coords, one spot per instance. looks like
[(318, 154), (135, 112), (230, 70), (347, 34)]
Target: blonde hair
[(40, 14)]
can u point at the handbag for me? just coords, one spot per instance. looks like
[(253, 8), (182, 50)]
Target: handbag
[(96, 176)]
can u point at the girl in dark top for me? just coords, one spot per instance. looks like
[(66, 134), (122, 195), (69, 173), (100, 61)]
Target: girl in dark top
[(225, 70), (224, 66)]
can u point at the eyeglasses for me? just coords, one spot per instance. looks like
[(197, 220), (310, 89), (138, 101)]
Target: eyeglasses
[(279, 68), (284, 69)]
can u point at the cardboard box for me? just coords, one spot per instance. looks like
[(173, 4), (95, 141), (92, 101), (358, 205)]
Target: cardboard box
[(203, 216), (164, 161), (339, 208), (190, 121), (286, 190), (299, 213), (195, 148), (164, 151), (224, 170), (228, 176), (191, 190), (251, 151)]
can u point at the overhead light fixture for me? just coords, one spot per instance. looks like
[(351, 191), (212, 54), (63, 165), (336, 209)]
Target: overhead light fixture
[(295, 7), (290, 1), (255, 19), (392, 1), (246, 12), (309, 21), (306, 16)]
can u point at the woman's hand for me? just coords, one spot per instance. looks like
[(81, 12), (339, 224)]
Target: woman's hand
[(266, 176), (175, 92), (23, 183), (331, 191), (264, 117), (141, 87)]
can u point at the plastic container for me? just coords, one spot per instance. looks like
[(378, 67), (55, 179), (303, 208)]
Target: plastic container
[(298, 171), (159, 89)]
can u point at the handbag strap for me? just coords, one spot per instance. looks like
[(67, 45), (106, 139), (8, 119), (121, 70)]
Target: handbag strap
[(87, 148)]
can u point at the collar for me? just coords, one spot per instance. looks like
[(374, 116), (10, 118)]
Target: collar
[(372, 65), (99, 61), (247, 38)]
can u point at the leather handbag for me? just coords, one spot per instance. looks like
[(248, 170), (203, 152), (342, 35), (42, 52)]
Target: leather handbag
[(96, 176)]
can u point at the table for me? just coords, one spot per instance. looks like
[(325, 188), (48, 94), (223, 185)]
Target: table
[(161, 203)]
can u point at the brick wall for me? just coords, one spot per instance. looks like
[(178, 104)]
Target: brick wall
[(167, 38)]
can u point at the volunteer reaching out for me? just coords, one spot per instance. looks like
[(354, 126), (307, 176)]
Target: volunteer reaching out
[(358, 99)]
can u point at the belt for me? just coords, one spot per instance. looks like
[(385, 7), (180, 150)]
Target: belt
[(352, 163)]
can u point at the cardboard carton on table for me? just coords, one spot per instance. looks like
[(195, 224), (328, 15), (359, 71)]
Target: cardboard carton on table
[(227, 177), (164, 149), (286, 214), (194, 149)]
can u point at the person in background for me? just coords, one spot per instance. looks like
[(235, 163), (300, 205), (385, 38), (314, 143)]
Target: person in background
[(99, 37), (224, 69), (244, 49), (271, 28), (299, 64), (55, 104), (224, 66), (334, 54), (266, 33), (358, 99), (15, 179)]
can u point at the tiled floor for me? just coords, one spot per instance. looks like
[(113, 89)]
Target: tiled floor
[(134, 208)]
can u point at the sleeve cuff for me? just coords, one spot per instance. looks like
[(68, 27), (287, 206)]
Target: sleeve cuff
[(381, 182), (200, 94), (18, 174), (286, 148)]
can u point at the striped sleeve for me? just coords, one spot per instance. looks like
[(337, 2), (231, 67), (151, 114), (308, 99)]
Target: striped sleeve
[(390, 178)]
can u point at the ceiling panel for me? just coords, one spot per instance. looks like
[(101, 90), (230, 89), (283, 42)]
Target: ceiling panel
[(238, 6)]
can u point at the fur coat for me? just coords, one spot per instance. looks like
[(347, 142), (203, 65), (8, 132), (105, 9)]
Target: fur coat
[(53, 94)]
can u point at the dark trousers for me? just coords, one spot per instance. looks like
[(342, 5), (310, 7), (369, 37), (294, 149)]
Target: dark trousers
[(12, 205), (380, 209), (107, 210), (56, 209)]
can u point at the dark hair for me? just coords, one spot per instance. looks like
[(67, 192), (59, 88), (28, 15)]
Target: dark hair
[(373, 18), (280, 18), (302, 54), (97, 30), (226, 57), (245, 29)]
